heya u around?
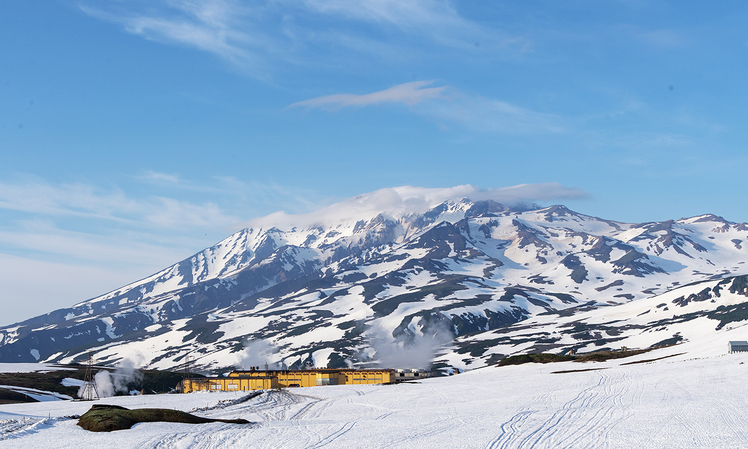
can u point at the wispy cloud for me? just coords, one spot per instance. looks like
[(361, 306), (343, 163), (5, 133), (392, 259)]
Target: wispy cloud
[(266, 32), (436, 21), (153, 176), (408, 93), (118, 247), (450, 105), (86, 221), (402, 13), (89, 202), (478, 113), (214, 26)]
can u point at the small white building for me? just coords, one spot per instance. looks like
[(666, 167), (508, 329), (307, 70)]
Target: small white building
[(737, 346)]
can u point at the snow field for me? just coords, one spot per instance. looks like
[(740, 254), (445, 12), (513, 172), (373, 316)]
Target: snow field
[(30, 367), (680, 401)]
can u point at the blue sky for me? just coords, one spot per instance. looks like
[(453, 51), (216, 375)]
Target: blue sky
[(135, 133)]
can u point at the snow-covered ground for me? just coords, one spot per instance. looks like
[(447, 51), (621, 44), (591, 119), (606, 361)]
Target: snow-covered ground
[(31, 367), (695, 399), (39, 395)]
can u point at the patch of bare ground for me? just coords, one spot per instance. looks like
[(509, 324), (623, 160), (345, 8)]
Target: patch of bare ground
[(652, 360), (576, 370)]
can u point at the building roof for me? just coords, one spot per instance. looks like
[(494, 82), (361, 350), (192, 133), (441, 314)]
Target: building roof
[(313, 370)]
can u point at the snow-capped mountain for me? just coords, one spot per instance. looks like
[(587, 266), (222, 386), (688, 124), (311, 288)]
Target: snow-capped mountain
[(383, 278)]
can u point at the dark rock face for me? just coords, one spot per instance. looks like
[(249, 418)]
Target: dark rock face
[(578, 271)]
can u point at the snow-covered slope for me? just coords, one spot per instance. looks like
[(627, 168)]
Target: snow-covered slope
[(703, 311), (689, 401), (364, 280)]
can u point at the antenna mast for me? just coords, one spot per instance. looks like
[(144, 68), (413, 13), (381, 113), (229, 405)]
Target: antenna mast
[(89, 392)]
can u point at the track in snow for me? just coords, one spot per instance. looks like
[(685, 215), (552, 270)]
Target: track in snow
[(583, 421)]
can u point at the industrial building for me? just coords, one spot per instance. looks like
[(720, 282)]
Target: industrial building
[(264, 380), (228, 384)]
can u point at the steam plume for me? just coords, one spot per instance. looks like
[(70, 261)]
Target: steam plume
[(108, 384), (257, 353), (413, 349)]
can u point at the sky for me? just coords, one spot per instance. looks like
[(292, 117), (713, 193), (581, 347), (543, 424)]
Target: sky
[(136, 133)]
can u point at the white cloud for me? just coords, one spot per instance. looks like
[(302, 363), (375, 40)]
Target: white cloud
[(408, 93), (214, 26), (116, 248), (402, 13), (492, 115), (254, 35), (151, 175), (400, 201), (85, 201), (449, 104), (433, 20)]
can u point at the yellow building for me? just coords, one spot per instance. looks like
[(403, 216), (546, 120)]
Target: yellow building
[(264, 380), (318, 377), (237, 383), (368, 376)]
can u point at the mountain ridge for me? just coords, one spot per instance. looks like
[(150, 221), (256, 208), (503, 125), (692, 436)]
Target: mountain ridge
[(343, 291)]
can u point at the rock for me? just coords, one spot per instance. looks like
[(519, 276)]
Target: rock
[(106, 418)]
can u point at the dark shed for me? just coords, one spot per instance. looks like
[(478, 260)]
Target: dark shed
[(737, 346)]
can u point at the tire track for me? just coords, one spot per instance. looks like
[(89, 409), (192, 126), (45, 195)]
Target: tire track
[(591, 411), (275, 410), (384, 416), (221, 435), (335, 435), (601, 420), (274, 405), (509, 431), (304, 410), (312, 410)]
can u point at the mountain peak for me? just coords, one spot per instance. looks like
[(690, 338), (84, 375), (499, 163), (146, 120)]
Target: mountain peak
[(399, 202), (391, 266)]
